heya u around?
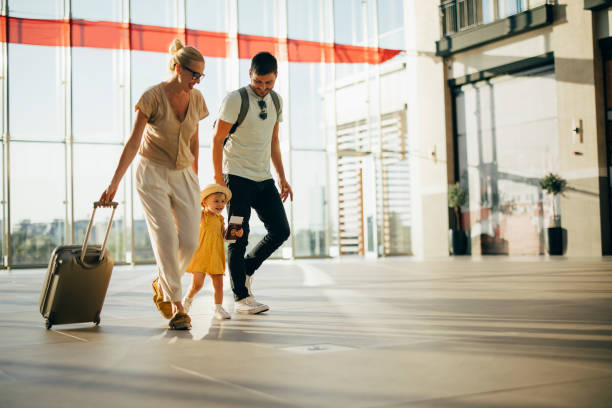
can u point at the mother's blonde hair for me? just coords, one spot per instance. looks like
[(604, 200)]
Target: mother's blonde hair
[(183, 55)]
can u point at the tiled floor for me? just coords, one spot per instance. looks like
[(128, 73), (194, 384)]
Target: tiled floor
[(456, 332)]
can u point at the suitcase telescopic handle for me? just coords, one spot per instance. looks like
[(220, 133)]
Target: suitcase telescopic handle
[(110, 223)]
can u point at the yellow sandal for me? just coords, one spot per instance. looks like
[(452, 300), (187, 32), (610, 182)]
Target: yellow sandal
[(165, 308)]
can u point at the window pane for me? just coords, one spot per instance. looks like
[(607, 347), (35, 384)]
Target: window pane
[(96, 10), (153, 12), (306, 110), (348, 29), (213, 89), (391, 24), (205, 168), (310, 228), (94, 166), (244, 66), (96, 93), (2, 199), (206, 15), (510, 7), (348, 22), (44, 9), (303, 19), (2, 170), (36, 95), (37, 204), (148, 69), (507, 141), (487, 11), (257, 17)]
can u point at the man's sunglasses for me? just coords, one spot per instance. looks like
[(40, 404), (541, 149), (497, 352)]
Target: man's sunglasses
[(264, 113), (195, 75)]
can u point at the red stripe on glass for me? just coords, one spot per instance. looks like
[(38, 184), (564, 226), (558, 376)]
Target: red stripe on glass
[(113, 35)]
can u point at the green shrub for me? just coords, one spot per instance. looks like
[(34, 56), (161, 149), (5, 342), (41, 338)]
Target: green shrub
[(457, 197), (555, 185)]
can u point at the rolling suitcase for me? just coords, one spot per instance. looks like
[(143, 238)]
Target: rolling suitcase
[(77, 279)]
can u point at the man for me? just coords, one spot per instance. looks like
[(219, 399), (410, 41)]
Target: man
[(242, 163)]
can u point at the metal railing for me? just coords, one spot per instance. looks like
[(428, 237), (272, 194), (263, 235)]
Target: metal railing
[(459, 15)]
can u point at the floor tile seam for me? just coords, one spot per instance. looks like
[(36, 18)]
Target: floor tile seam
[(493, 392), (234, 386), (394, 332)]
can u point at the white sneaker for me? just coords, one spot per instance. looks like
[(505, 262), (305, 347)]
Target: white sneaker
[(256, 303), (248, 281), (249, 306), (220, 313), (187, 302)]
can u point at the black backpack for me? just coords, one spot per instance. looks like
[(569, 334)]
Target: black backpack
[(244, 108)]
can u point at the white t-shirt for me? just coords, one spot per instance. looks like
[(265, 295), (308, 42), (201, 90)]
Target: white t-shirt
[(247, 151)]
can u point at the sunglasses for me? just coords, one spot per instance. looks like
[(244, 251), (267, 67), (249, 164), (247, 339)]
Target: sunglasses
[(264, 113), (195, 75)]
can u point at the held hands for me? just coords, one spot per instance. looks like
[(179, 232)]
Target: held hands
[(219, 180), (235, 232), (285, 190)]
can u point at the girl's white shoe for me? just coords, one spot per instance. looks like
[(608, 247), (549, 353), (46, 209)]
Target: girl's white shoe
[(221, 314), (187, 302)]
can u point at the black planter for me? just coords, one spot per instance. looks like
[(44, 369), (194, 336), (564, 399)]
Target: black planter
[(557, 240), (458, 242)]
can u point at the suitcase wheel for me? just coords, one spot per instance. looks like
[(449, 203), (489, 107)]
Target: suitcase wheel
[(97, 320), (48, 324)]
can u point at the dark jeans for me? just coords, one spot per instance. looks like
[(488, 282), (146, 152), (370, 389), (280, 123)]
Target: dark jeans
[(264, 198)]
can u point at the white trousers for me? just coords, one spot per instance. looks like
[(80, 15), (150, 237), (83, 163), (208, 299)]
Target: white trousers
[(171, 202)]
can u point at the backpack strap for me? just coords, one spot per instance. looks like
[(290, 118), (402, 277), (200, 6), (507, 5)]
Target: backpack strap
[(244, 108), (276, 101)]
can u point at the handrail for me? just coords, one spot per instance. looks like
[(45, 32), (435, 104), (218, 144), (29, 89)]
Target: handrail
[(460, 15)]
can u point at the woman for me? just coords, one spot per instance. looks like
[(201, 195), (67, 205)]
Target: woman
[(167, 116)]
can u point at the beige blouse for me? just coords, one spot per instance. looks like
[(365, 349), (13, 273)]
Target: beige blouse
[(165, 139)]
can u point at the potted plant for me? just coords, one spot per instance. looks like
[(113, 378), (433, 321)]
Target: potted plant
[(457, 197), (557, 236)]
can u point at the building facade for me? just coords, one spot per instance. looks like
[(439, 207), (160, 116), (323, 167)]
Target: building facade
[(525, 96)]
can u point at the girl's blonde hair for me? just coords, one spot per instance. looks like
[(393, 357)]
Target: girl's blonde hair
[(183, 55)]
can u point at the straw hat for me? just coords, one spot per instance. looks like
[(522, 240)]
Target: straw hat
[(215, 188)]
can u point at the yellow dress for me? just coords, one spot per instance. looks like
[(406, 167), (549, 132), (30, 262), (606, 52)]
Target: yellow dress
[(210, 256)]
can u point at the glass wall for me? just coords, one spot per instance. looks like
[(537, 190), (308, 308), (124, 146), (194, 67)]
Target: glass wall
[(72, 91), (348, 30), (507, 141), (209, 16), (48, 9), (308, 142), (391, 24), (37, 118), (3, 147), (38, 200), (98, 118)]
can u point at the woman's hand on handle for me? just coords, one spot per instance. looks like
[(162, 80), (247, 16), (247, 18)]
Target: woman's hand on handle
[(108, 194)]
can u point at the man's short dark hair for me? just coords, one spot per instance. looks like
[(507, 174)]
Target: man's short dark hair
[(264, 63)]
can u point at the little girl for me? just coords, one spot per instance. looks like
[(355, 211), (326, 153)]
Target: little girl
[(210, 256)]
